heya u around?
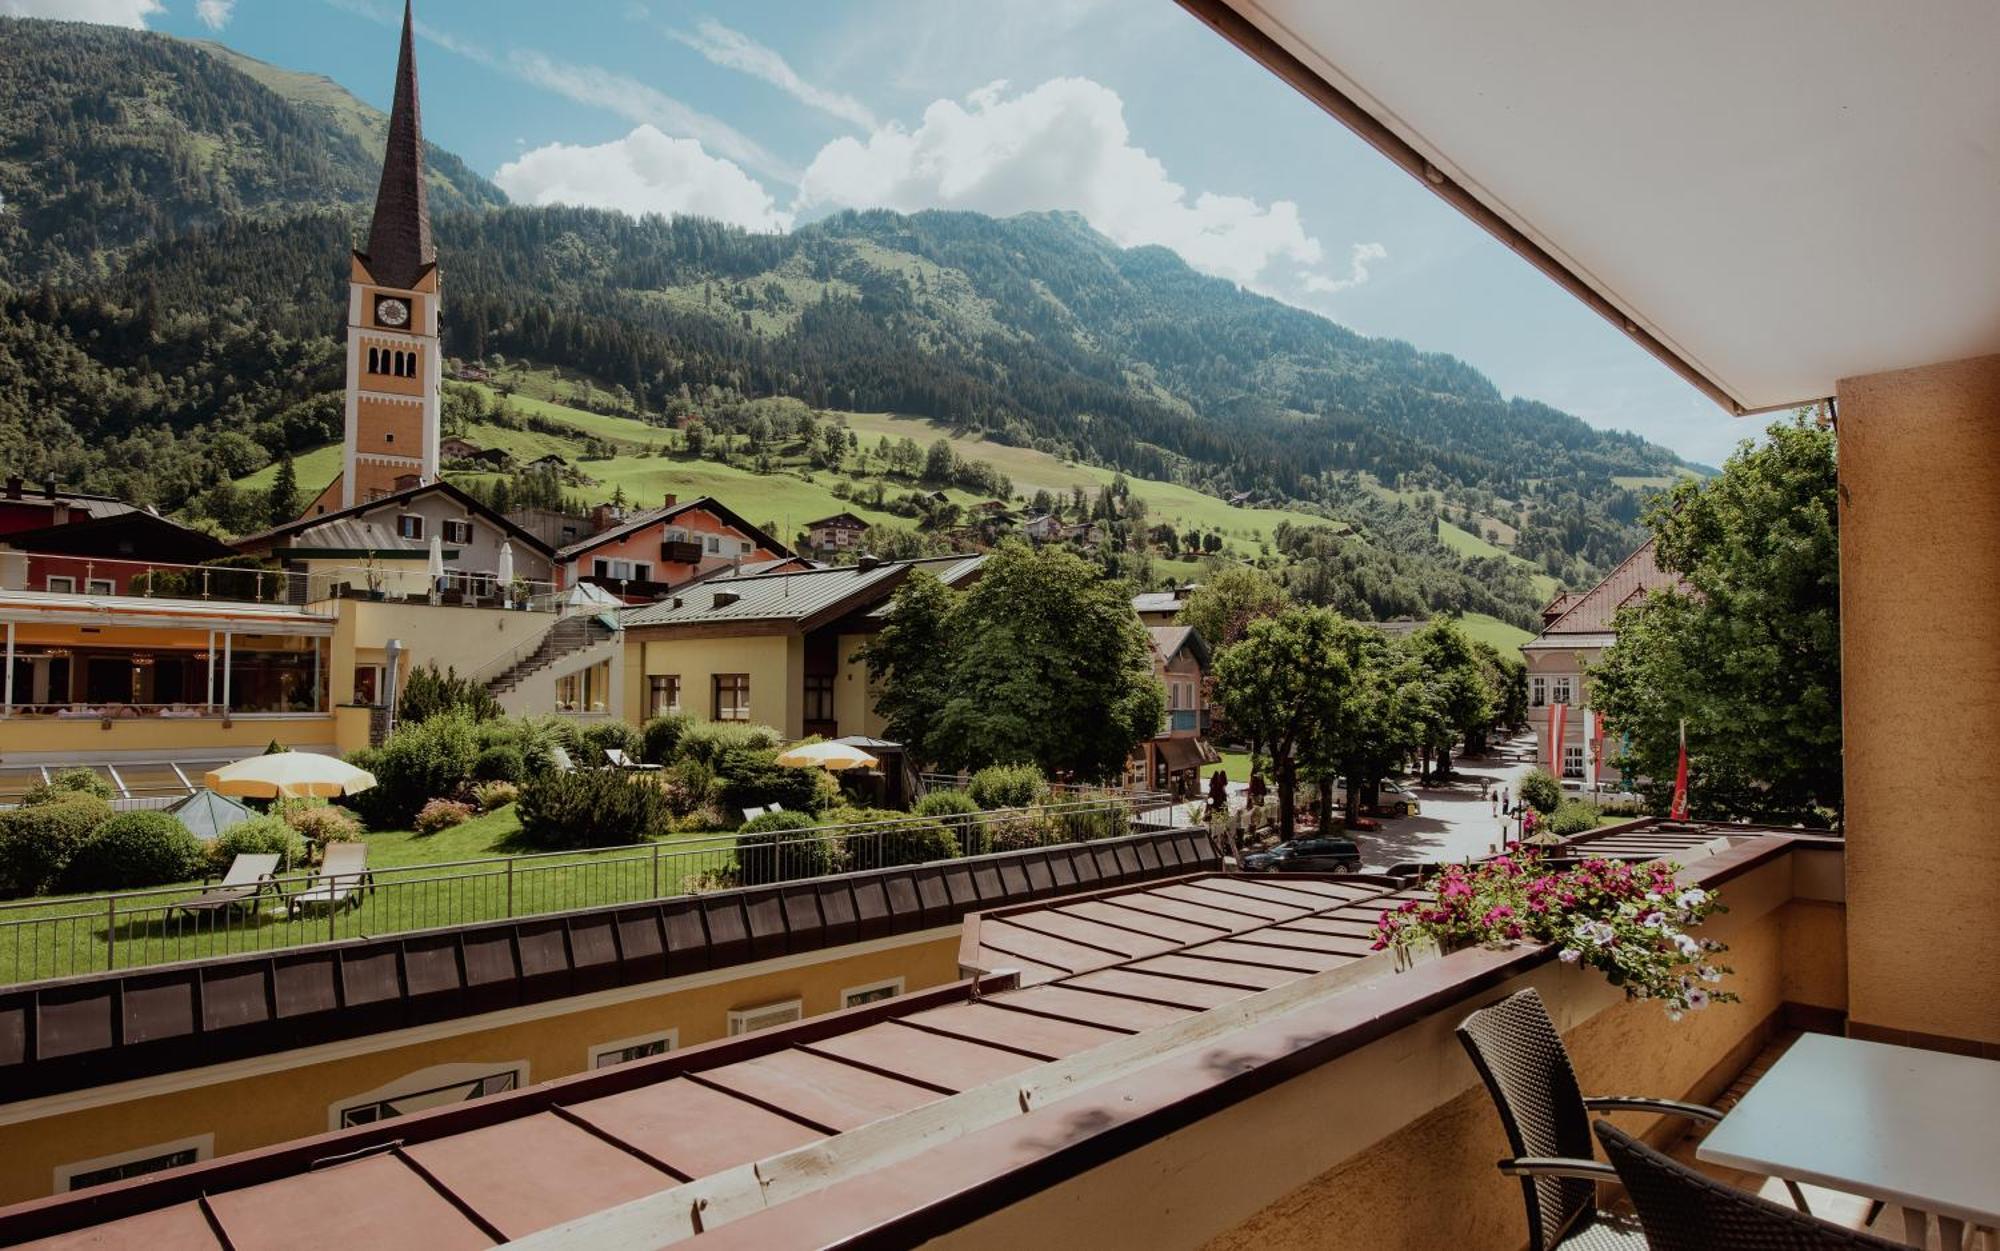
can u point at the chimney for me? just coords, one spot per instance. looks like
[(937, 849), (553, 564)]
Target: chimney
[(672, 500), (601, 517), (13, 486), (865, 562)]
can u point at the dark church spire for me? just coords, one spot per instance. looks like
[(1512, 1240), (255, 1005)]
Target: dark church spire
[(399, 239)]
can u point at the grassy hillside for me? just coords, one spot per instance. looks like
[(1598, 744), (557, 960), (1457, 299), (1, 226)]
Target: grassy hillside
[(1466, 543), (1507, 638)]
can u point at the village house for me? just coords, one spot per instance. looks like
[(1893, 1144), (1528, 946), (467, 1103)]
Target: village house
[(1576, 629), (1172, 760), (1044, 529), (452, 447), (650, 553), (837, 533), (103, 553)]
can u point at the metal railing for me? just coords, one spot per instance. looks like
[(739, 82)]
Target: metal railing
[(103, 577), (43, 938)]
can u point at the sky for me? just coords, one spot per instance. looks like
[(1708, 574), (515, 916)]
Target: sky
[(1129, 112)]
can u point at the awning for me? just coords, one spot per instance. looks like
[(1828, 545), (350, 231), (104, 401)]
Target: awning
[(1186, 753)]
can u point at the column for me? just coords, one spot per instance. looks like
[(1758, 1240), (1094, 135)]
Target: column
[(9, 705), (1920, 693)]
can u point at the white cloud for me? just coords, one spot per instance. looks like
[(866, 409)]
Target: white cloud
[(1363, 255), (735, 50), (636, 102), (645, 172), (215, 14), (131, 13), (1065, 145)]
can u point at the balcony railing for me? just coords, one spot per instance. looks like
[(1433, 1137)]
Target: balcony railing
[(50, 938), (312, 591)]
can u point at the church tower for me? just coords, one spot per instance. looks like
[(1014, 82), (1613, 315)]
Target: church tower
[(393, 358)]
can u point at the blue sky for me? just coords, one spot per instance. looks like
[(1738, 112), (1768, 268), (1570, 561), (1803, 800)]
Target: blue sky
[(1128, 111)]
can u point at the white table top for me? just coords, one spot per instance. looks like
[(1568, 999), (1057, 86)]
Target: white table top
[(1920, 1129)]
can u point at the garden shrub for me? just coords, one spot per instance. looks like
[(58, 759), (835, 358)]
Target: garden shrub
[(1572, 816), (958, 813), (748, 778), (709, 741), (1007, 786), (134, 850), (77, 781), (660, 738), (911, 840), (1019, 832), (427, 693), (259, 836), (323, 825), (501, 762), (1088, 826), (781, 847), (417, 763), (1540, 790), (592, 808), (538, 737), (442, 814), (690, 785), (495, 794), (36, 843), (594, 739)]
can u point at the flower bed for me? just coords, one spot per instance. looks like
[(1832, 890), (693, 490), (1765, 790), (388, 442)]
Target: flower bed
[(1629, 921)]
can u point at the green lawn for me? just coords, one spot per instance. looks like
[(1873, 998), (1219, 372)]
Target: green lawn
[(1466, 543), (314, 469), (1506, 638)]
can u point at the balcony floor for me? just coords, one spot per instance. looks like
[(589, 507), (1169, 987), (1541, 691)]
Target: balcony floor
[(1829, 1205)]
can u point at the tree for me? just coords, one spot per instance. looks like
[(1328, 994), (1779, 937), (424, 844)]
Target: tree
[(1389, 706), (1459, 701), (1040, 662), (1749, 651), (1288, 684), (283, 503), (1224, 605), (940, 463)]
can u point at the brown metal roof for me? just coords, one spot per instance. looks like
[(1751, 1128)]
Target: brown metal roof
[(399, 237), (1594, 611)]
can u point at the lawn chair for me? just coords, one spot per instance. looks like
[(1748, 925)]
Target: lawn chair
[(619, 760), (559, 757), (342, 876), (1683, 1210), (249, 877), (751, 814), (1521, 1058)]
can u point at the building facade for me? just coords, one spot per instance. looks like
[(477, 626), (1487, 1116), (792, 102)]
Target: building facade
[(1172, 760), (1573, 743), (646, 555)]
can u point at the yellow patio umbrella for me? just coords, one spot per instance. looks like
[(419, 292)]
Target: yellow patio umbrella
[(834, 756), (288, 773)]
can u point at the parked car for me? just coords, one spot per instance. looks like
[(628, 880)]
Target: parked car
[(1306, 855), (1395, 799)]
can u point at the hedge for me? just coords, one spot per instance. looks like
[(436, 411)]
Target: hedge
[(1541, 791), (906, 842), (259, 836), (781, 847), (957, 811), (36, 843), (1007, 786), (134, 850), (660, 738), (592, 808)]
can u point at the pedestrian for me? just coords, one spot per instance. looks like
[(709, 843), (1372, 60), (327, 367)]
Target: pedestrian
[(1218, 793)]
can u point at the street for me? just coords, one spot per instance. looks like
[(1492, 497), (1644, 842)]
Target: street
[(1457, 821)]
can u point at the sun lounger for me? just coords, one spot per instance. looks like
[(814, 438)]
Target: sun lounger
[(619, 760), (560, 756), (248, 878), (342, 876)]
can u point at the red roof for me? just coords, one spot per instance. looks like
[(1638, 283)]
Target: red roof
[(1594, 611)]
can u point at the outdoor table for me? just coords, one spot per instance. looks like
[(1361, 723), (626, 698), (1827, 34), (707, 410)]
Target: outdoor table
[(1920, 1129)]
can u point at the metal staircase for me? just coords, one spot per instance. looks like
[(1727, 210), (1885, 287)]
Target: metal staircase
[(564, 638)]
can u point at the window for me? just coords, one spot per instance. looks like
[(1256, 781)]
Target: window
[(66, 586), (715, 545), (750, 1020), (665, 695), (855, 996), (1561, 690), (1538, 692), (675, 534), (100, 586), (136, 1163), (410, 526), (367, 684), (600, 568), (1572, 760), (587, 690), (434, 1087), (628, 1049), (819, 697), (458, 532), (732, 697), (748, 547)]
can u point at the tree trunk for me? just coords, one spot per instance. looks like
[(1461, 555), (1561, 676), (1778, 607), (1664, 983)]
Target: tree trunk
[(1443, 773), (1287, 807), (1324, 808)]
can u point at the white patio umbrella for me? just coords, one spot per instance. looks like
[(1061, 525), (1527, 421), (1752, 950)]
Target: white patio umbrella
[(832, 756), (506, 574), (288, 773), (437, 562)]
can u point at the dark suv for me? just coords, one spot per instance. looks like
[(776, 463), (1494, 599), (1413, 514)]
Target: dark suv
[(1306, 855)]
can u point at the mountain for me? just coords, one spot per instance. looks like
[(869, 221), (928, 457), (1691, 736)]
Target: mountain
[(177, 217), (112, 137)]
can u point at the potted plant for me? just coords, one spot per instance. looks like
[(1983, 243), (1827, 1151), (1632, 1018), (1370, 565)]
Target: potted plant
[(373, 572), (1629, 921), (517, 593)]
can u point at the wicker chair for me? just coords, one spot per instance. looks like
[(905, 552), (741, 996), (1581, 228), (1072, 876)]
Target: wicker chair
[(1521, 1057), (1682, 1210)]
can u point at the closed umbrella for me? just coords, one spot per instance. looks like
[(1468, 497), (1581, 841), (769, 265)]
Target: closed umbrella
[(437, 563), (506, 574), (288, 773), (833, 756)]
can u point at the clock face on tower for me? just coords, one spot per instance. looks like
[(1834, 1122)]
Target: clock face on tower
[(390, 311)]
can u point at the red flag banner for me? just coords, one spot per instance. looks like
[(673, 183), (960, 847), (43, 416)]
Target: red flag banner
[(1679, 811), (1558, 715)]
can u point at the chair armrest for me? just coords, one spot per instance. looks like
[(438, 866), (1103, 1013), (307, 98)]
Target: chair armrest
[(1557, 1166), (1637, 1103)]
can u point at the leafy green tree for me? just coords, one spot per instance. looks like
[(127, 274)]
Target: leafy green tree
[(1225, 604), (1749, 652), (1288, 684), (283, 502), (1390, 704), (940, 463), (1460, 700), (1040, 662)]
